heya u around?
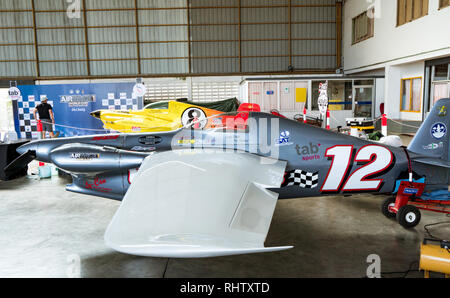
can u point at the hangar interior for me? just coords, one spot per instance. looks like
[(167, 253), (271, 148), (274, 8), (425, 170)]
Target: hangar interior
[(86, 56)]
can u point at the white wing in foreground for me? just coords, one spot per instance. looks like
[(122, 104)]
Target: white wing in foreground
[(195, 203)]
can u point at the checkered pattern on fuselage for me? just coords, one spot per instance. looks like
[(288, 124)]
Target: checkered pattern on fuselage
[(302, 178)]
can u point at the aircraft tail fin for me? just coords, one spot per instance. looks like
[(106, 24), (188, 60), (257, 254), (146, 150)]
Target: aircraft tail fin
[(432, 138)]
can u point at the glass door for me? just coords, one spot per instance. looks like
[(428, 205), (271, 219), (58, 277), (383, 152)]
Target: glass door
[(440, 90), (363, 98)]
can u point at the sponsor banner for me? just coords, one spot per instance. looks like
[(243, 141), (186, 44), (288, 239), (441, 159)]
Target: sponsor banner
[(72, 105)]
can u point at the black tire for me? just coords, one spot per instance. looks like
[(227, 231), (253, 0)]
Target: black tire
[(408, 216), (385, 207)]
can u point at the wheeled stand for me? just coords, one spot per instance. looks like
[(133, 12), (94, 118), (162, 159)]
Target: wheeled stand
[(405, 207)]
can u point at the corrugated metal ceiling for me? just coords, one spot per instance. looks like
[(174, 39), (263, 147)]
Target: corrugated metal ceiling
[(164, 37)]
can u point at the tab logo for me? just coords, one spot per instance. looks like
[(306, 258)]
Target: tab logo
[(308, 152), (14, 93)]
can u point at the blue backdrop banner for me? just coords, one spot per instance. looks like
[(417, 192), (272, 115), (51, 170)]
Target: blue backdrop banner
[(72, 105)]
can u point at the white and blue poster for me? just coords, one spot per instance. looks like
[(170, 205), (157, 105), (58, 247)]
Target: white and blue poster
[(72, 105)]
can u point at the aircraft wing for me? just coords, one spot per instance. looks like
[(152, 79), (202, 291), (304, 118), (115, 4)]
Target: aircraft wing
[(20, 163), (197, 203)]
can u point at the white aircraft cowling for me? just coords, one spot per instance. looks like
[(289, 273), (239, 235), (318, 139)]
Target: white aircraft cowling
[(198, 203)]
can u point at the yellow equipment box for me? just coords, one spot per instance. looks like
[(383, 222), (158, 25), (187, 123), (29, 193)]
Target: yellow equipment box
[(435, 258)]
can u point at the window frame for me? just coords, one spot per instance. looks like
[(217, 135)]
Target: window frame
[(411, 94), (411, 12), (370, 26), (442, 5)]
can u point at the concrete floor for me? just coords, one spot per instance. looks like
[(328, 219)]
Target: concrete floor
[(43, 229)]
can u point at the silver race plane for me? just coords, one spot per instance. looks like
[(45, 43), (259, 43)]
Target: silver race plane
[(212, 192)]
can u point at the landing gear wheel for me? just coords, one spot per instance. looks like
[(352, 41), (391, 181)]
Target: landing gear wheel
[(408, 216), (389, 202)]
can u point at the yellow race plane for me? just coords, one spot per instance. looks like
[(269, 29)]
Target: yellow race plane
[(157, 116)]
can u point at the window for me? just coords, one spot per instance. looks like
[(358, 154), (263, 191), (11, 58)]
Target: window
[(411, 95), (440, 81), (339, 95), (444, 3), (363, 26), (437, 81), (441, 72), (410, 10)]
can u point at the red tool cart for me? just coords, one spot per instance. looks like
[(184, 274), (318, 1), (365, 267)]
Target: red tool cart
[(405, 206)]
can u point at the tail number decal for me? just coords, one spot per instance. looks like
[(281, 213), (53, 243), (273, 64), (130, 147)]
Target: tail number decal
[(379, 159)]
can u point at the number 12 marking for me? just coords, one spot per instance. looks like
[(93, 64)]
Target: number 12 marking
[(380, 158)]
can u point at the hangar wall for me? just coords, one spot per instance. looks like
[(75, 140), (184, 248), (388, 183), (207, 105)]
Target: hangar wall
[(194, 88), (404, 42), (54, 39), (410, 52)]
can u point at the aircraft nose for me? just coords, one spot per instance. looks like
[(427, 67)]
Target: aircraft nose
[(27, 147), (96, 114)]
